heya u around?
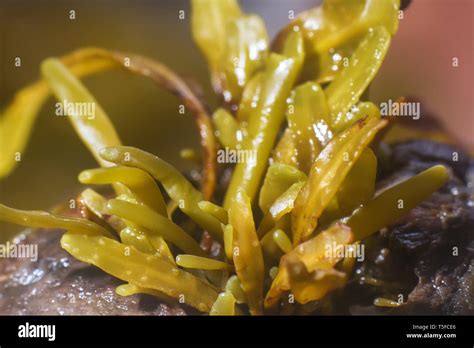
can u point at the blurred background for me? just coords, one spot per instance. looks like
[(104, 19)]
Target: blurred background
[(419, 64)]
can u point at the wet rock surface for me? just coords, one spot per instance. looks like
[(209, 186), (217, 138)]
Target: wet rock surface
[(57, 284)]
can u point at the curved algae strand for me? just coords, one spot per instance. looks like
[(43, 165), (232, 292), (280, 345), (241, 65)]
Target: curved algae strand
[(390, 205), (95, 130), (308, 270), (357, 112), (271, 250), (198, 262), (249, 99), (132, 236), (228, 240), (143, 239), (337, 25), (308, 121), (278, 179), (144, 270), (282, 240), (139, 236), (247, 255), (359, 185), (384, 302), (42, 219), (17, 119), (357, 188), (213, 209), (371, 13), (148, 218), (351, 83), (327, 174), (138, 181), (224, 305), (209, 23), (234, 44), (284, 151), (247, 40), (285, 203), (94, 202), (130, 198), (174, 183), (264, 124), (234, 286), (226, 127), (294, 46), (160, 245)]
